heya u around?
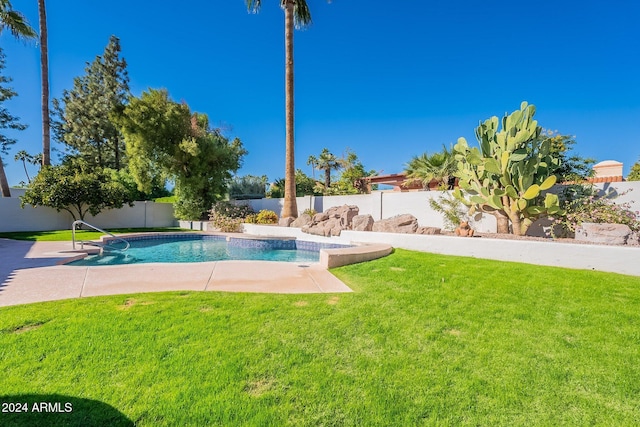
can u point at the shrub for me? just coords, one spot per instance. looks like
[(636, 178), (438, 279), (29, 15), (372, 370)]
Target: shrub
[(251, 218), (451, 209), (231, 210), (225, 223), (228, 217), (267, 217), (582, 204), (310, 212)]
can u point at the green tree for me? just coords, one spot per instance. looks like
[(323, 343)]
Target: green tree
[(634, 173), (7, 121), (248, 187), (296, 13), (77, 191), (163, 138), (87, 115), (572, 167), (507, 175), (326, 162), (15, 22), (438, 166), (305, 186), (351, 180)]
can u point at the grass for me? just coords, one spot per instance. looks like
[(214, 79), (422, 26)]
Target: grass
[(65, 235), (425, 340), (168, 199)]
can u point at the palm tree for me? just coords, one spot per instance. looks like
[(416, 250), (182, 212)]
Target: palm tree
[(25, 157), (326, 162), (427, 168), (296, 13), (44, 75), (15, 22), (18, 26)]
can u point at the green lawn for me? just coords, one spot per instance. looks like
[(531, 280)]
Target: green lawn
[(65, 235), (425, 340)]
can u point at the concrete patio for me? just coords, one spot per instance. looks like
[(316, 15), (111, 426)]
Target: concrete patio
[(29, 272)]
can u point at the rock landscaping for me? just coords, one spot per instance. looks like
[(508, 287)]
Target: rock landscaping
[(346, 217), (610, 234), (338, 218)]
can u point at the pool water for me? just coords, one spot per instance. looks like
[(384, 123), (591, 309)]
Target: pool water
[(200, 248)]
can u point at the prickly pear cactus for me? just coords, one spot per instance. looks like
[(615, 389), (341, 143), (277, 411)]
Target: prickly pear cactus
[(508, 173)]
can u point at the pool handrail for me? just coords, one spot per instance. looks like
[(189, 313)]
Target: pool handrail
[(83, 242)]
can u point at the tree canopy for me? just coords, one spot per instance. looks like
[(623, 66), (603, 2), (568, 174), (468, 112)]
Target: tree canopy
[(163, 138), (86, 116), (7, 121), (76, 190)]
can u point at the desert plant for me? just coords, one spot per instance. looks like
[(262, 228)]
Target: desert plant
[(225, 223), (438, 166), (231, 210), (228, 217), (251, 218), (581, 203), (266, 217), (507, 175), (452, 210), (310, 212)]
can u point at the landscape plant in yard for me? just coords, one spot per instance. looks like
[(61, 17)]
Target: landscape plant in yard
[(507, 176), (581, 203)]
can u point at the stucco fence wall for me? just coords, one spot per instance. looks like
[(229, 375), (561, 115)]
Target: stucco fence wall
[(378, 204), (142, 214), (385, 204)]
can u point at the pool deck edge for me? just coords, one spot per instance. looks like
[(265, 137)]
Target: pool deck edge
[(31, 272)]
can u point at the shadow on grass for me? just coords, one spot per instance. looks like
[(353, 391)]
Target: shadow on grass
[(27, 410)]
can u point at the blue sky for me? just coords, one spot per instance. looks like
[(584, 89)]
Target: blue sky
[(389, 80)]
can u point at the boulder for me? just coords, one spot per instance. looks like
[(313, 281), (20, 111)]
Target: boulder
[(634, 239), (286, 222), (406, 223), (362, 223), (301, 221), (612, 234), (428, 230), (319, 217), (332, 221)]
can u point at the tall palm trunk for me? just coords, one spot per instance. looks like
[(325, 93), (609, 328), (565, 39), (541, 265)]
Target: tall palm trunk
[(44, 66), (4, 184), (290, 208)]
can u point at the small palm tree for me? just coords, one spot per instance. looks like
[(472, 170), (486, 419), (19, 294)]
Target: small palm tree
[(296, 13), (326, 162), (24, 157), (427, 168)]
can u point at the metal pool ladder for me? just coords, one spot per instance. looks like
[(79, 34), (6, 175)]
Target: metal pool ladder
[(102, 246)]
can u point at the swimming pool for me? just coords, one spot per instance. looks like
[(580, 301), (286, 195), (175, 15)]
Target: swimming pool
[(182, 248)]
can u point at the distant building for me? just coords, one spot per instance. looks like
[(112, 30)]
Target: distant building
[(607, 171)]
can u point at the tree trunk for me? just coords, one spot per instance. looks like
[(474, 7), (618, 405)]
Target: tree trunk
[(117, 149), (4, 184), (327, 179), (44, 67), (290, 208), (26, 172), (502, 221)]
